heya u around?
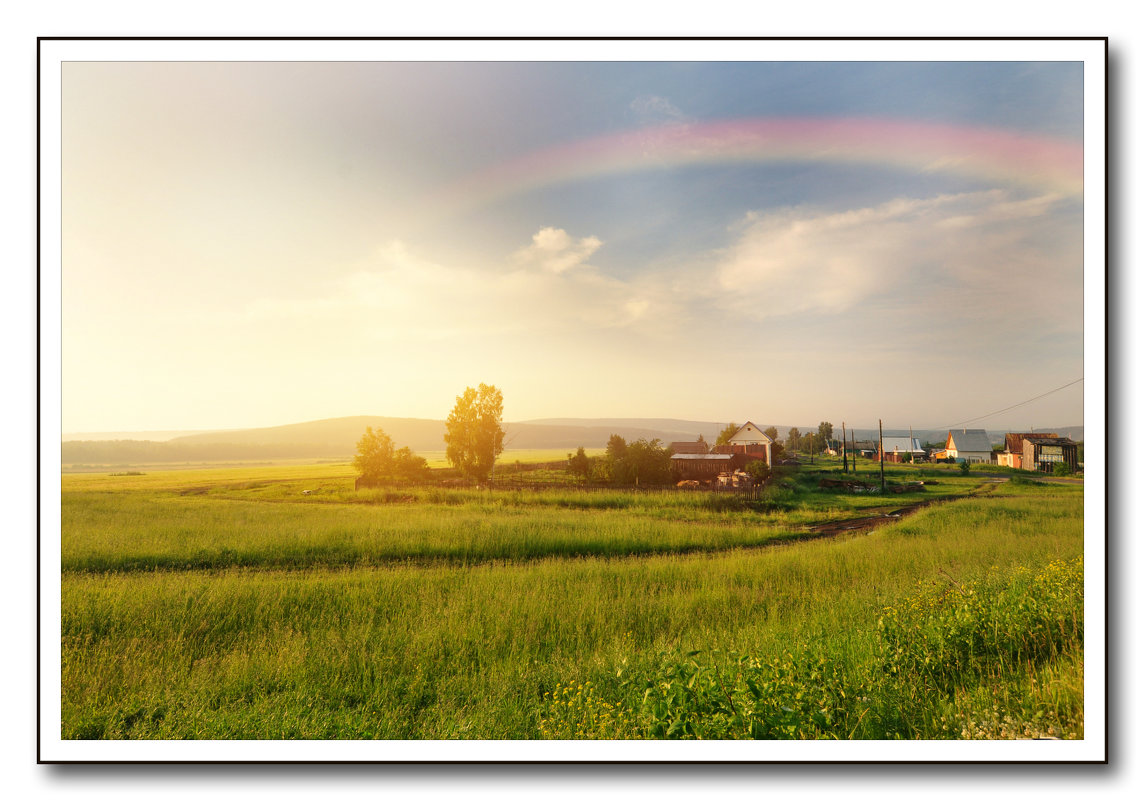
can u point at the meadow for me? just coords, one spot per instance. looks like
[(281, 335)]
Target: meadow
[(276, 602)]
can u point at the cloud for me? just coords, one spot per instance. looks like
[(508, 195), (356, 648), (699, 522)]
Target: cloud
[(971, 254), (653, 109), (554, 251), (400, 295)]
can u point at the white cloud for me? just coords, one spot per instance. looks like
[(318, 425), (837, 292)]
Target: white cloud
[(554, 251), (400, 295), (653, 109), (984, 248)]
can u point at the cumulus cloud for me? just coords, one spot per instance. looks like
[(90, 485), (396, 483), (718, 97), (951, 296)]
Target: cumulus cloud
[(554, 251)]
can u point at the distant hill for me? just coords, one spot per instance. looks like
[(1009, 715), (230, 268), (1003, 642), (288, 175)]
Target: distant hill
[(336, 438), (151, 436)]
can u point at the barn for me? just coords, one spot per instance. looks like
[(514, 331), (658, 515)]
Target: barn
[(704, 466)]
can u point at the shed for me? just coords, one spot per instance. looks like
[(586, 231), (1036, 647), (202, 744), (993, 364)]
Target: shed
[(704, 466), (1045, 453)]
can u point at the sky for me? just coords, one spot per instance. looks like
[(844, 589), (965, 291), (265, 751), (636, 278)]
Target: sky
[(263, 243)]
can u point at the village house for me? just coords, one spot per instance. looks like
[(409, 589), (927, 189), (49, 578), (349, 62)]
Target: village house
[(895, 449), (1043, 454), (968, 445), (1011, 455), (750, 441)]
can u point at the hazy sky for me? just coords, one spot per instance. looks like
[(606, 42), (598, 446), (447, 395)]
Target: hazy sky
[(250, 244)]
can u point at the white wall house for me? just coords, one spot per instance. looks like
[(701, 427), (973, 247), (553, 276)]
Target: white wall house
[(969, 445), (751, 438)]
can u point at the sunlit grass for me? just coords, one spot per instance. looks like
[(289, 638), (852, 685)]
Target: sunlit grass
[(252, 611)]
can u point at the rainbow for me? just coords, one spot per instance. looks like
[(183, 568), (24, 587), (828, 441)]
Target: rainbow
[(990, 154)]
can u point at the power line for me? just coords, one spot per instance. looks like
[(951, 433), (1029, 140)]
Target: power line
[(1016, 405)]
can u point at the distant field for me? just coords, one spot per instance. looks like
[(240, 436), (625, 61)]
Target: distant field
[(435, 459), (225, 603)]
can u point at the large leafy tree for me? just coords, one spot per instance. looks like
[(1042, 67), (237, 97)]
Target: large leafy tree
[(473, 434), (377, 462), (648, 462), (726, 433), (823, 438)]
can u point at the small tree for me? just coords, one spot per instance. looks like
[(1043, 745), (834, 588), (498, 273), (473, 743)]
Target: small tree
[(375, 457), (580, 465), (473, 434), (824, 436), (377, 462), (772, 432), (793, 439), (758, 470), (408, 466)]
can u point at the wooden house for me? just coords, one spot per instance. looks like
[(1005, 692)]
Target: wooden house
[(1043, 454), (1011, 455), (705, 466)]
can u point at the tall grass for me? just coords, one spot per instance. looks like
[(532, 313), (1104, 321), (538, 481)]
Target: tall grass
[(369, 647)]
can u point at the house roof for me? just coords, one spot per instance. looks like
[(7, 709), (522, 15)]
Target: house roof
[(752, 429), (1014, 441), (692, 457), (696, 446), (902, 444), (971, 440), (1038, 440)]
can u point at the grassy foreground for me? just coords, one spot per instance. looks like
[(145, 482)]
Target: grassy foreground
[(224, 606)]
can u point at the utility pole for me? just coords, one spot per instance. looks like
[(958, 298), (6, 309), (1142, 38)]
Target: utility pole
[(882, 474), (844, 446)]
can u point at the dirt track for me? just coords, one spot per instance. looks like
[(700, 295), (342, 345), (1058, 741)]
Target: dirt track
[(871, 521)]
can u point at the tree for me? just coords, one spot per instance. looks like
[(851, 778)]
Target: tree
[(824, 436), (473, 434), (726, 434), (377, 462), (617, 448), (772, 432), (758, 470), (793, 439), (646, 462), (580, 465)]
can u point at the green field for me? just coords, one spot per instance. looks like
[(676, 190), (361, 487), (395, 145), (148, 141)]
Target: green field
[(226, 603)]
